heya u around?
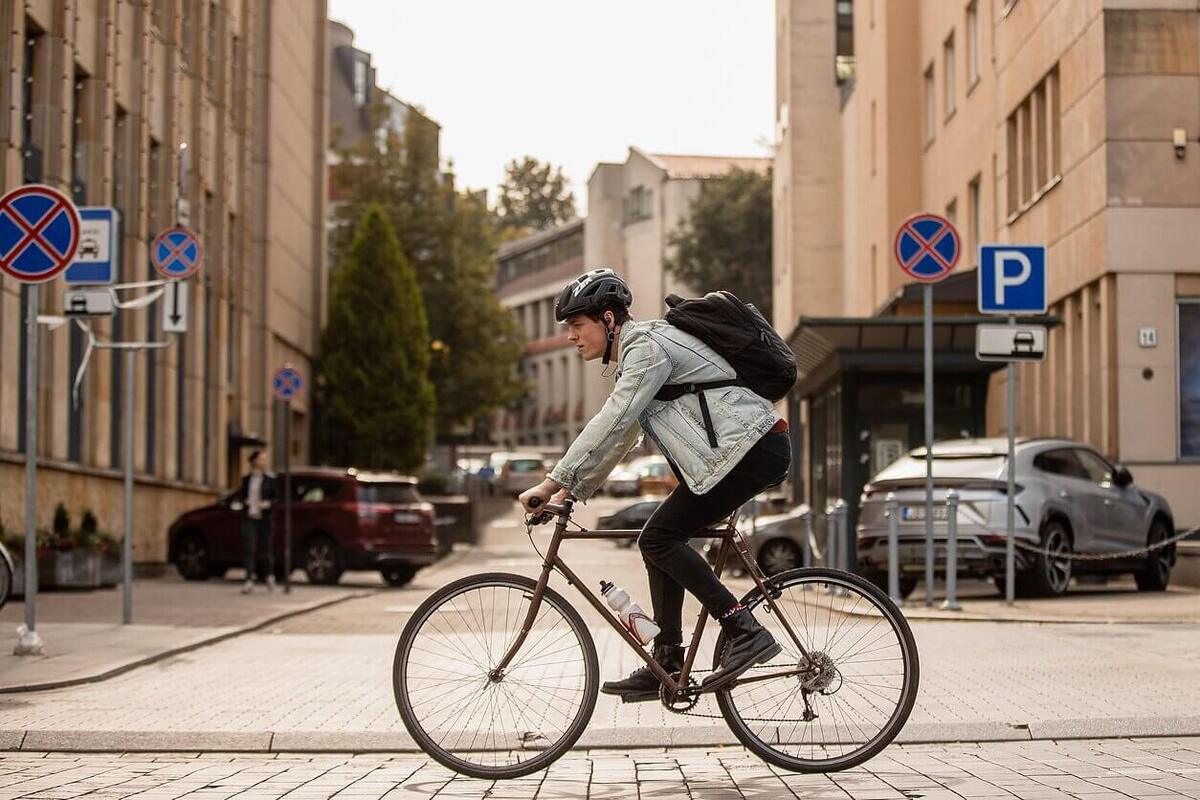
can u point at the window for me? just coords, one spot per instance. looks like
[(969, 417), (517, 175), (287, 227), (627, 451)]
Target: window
[(121, 194), (81, 128), (972, 44), (1188, 327), (388, 493), (1094, 467), (1060, 462), (360, 81), (930, 106), (974, 216), (844, 59), (212, 48), (948, 76), (952, 211), (1034, 145), (637, 204)]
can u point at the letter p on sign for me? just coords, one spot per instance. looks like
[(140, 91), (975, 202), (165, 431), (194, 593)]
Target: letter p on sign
[(1012, 279)]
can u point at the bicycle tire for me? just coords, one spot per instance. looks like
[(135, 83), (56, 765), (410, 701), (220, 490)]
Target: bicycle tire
[(832, 579), (513, 742)]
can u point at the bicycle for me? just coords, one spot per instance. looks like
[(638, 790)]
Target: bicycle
[(496, 676)]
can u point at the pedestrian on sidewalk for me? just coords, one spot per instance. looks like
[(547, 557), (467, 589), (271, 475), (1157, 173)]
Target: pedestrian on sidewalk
[(740, 449), (258, 491)]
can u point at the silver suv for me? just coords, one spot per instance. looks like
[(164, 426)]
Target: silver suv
[(1069, 498)]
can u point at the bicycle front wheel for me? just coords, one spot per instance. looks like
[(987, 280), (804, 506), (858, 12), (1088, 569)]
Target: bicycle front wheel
[(849, 699), (490, 726)]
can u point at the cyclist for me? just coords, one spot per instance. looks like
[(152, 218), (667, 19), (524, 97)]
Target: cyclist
[(751, 452)]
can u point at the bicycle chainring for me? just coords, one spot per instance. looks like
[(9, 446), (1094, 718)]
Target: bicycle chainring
[(685, 703)]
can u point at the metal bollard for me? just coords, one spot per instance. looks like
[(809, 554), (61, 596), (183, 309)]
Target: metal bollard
[(806, 545), (893, 517), (830, 537), (842, 512), (951, 603)]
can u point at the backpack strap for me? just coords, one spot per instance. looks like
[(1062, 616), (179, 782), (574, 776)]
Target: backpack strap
[(671, 392)]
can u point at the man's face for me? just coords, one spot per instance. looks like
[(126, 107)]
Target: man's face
[(260, 462), (588, 335)]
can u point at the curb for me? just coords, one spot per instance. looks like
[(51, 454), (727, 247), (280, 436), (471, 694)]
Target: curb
[(204, 641), (54, 741)]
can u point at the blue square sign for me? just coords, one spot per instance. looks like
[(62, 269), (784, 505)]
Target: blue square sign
[(96, 258), (1012, 279)]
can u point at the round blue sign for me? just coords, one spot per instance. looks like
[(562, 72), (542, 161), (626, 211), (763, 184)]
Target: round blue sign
[(927, 247), (286, 383), (176, 253), (39, 233)]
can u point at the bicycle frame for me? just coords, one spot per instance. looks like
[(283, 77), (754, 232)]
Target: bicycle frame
[(731, 540)]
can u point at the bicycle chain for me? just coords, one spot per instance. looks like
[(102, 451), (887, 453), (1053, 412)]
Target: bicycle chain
[(691, 713)]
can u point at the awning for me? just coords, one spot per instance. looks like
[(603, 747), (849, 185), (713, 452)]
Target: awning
[(825, 346)]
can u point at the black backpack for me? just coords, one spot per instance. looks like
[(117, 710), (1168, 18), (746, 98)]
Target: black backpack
[(741, 334)]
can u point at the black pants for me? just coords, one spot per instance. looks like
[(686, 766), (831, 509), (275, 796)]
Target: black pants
[(257, 542), (672, 563)]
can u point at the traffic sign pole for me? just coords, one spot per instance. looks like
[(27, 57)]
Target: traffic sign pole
[(29, 643), (287, 496), (127, 547), (1010, 518), (929, 444)]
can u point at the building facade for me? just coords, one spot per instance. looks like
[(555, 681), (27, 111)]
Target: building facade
[(212, 114), (530, 272), (1068, 123)]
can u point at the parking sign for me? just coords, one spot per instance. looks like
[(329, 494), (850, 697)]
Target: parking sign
[(1012, 279)]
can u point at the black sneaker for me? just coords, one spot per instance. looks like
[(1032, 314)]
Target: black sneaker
[(749, 644), (643, 684)]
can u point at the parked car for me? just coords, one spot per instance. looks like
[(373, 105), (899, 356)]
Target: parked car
[(631, 517), (621, 482), (342, 519), (1068, 497), (516, 472), (776, 540), (655, 475)]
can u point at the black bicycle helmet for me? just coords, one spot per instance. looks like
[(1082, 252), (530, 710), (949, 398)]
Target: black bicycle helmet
[(590, 293)]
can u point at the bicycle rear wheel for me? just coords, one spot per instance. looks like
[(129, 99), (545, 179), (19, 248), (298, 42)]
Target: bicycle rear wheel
[(494, 728), (846, 704)]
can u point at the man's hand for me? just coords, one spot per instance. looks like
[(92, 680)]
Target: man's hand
[(543, 492)]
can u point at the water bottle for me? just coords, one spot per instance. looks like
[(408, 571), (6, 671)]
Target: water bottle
[(632, 616)]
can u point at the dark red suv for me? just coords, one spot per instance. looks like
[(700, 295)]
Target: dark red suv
[(341, 519)]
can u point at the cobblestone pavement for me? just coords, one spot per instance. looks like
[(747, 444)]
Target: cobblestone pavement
[(1086, 770)]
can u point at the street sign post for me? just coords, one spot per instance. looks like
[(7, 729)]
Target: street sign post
[(176, 253), (286, 383), (927, 248), (1012, 280), (39, 234), (96, 258), (175, 307)]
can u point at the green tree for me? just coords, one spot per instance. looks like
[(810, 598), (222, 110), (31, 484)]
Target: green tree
[(725, 243), (450, 240), (533, 197), (374, 400)]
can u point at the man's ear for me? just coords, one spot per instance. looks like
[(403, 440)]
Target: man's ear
[(610, 320)]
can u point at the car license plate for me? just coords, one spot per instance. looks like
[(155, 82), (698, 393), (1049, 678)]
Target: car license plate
[(917, 513), (406, 518)]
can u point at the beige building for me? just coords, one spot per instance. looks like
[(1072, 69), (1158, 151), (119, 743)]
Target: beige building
[(103, 98), (1068, 123)]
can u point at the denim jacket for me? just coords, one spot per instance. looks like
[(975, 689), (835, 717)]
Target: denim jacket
[(652, 354)]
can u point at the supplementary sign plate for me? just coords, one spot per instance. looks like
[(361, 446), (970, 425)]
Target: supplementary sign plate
[(1010, 342)]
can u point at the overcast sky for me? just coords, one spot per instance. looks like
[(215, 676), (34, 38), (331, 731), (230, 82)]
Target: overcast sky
[(575, 82)]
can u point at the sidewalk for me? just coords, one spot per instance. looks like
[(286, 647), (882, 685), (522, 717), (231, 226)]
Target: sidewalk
[(85, 640)]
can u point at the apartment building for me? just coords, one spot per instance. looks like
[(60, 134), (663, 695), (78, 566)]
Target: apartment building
[(203, 112), (1069, 123)]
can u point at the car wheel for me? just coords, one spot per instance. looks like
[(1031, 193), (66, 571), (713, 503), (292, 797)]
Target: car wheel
[(398, 574), (322, 562), (192, 557), (778, 555), (1155, 574), (1049, 575)]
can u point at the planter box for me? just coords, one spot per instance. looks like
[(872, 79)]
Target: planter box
[(70, 569)]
